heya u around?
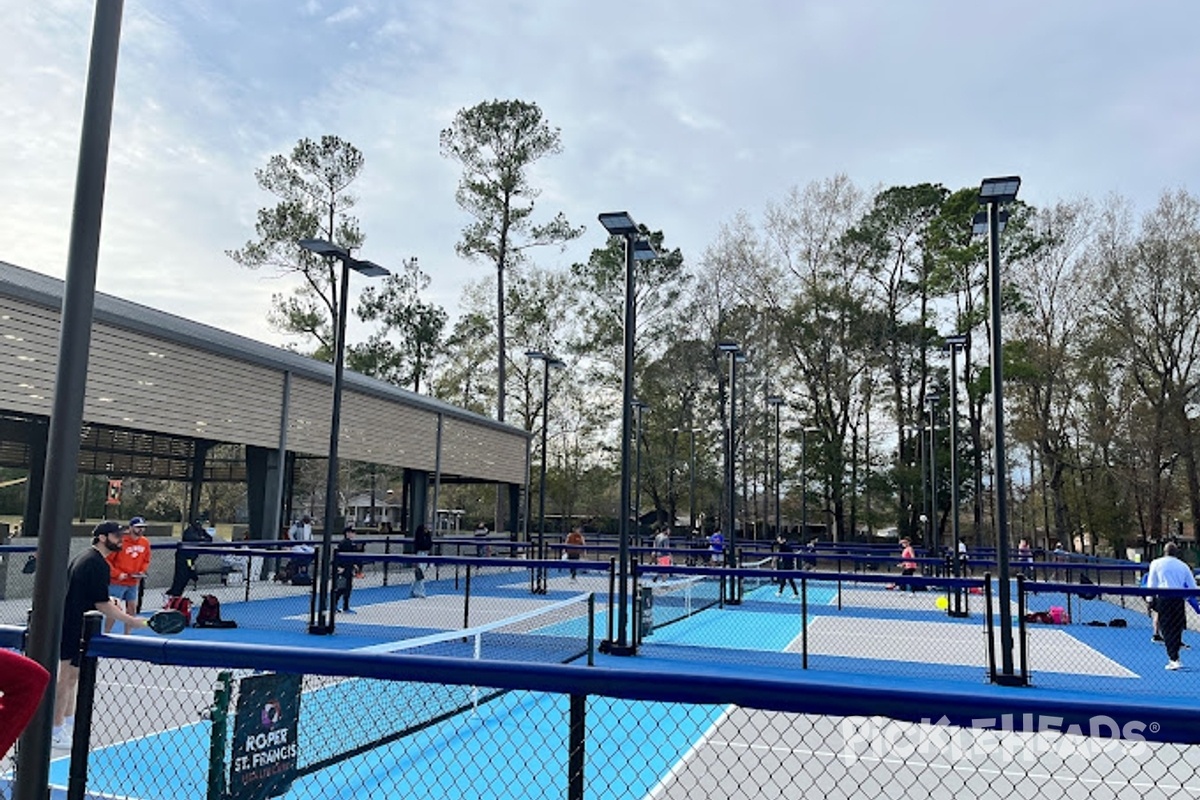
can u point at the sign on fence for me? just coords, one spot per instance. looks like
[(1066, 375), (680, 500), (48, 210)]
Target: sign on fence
[(264, 737)]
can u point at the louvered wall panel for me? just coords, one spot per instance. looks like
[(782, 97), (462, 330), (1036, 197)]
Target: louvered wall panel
[(372, 428), (485, 452), (141, 381)]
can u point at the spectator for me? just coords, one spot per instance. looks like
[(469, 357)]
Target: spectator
[(481, 533)]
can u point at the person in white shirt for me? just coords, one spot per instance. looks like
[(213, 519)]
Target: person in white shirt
[(1168, 572), (302, 530)]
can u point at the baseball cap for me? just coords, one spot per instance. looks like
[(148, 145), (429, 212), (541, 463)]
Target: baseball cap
[(105, 528), (137, 522)]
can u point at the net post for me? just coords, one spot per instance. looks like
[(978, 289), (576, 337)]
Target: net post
[(387, 550), (249, 564), (218, 715), (591, 653), (612, 589), (467, 598)]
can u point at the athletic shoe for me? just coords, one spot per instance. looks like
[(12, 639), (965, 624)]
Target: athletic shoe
[(348, 611), (1156, 638), (1173, 665), (779, 593), (60, 741)]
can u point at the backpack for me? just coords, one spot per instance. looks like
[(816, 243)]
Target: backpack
[(209, 615), (1086, 581), (182, 605)]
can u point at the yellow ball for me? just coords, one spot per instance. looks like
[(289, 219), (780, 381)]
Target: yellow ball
[(942, 603)]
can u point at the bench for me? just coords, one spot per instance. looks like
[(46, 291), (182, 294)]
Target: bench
[(208, 565)]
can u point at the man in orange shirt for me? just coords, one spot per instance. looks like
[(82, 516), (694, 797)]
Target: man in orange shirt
[(127, 567)]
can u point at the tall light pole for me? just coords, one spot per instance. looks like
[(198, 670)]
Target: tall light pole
[(639, 408), (619, 223), (548, 362), (804, 432), (954, 344), (323, 622), (931, 400), (993, 193), (733, 350), (777, 402)]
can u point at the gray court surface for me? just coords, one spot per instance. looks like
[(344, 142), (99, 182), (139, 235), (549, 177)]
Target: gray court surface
[(949, 643), (751, 754)]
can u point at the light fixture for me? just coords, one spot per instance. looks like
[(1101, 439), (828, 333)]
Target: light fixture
[(999, 190), (619, 223)]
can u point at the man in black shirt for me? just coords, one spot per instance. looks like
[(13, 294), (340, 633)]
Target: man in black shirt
[(346, 569), (87, 590)]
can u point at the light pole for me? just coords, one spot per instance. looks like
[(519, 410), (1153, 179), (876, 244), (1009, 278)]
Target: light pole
[(993, 193), (777, 402), (323, 622), (954, 344), (548, 362), (804, 432), (619, 223), (931, 400), (639, 407), (733, 350)]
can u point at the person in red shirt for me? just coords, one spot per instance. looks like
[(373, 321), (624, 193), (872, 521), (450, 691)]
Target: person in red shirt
[(127, 567), (908, 564), (22, 683)]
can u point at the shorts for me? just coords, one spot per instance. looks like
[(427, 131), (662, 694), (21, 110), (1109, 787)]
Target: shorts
[(68, 645), (122, 592)]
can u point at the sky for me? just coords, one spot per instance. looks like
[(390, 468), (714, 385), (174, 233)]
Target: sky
[(682, 113)]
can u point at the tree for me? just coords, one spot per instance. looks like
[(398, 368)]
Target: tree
[(417, 327), (496, 142), (311, 184)]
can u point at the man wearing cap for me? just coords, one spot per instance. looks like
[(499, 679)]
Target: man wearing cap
[(87, 590), (127, 567)]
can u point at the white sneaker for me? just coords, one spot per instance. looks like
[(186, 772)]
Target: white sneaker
[(1173, 665), (60, 740)]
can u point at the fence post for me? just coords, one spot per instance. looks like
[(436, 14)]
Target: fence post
[(989, 626), (1023, 631), (218, 715), (804, 621), (467, 598), (576, 744), (84, 704)]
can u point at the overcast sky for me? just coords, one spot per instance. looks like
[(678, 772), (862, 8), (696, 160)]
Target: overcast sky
[(680, 111)]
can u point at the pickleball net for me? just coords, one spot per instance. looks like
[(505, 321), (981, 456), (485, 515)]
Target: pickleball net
[(344, 718)]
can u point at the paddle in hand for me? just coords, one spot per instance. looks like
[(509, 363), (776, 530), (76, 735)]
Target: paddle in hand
[(167, 621)]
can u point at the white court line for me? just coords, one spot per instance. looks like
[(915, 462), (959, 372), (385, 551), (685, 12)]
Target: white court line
[(661, 786)]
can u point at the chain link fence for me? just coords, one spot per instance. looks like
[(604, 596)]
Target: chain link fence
[(197, 720)]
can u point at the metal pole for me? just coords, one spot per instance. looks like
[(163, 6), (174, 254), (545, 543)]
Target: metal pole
[(692, 483), (621, 646), (637, 471), (778, 513), (66, 419), (803, 485), (731, 542), (933, 509), (324, 623), (999, 481), (542, 479), (954, 500)]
